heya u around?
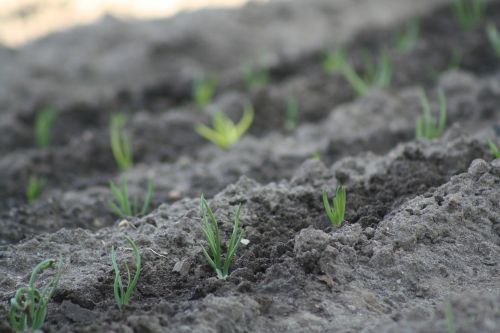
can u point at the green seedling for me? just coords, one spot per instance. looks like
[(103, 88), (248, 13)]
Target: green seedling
[(408, 38), (120, 143), (212, 234), (377, 73), (316, 155), (255, 77), (427, 127), (122, 206), (495, 151), (450, 319), (34, 188), (28, 308), (292, 114), (43, 124), (123, 294), (493, 37), (336, 213), (204, 90), (225, 132), (469, 13)]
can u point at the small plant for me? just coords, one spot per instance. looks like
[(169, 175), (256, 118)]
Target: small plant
[(28, 308), (408, 38), (337, 213), (427, 127), (34, 188), (204, 90), (495, 151), (212, 234), (255, 77), (43, 124), (292, 114), (450, 319), (120, 143), (377, 73), (123, 206), (469, 13), (122, 295), (493, 37), (316, 155), (225, 132)]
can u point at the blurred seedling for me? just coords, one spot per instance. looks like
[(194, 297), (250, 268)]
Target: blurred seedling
[(427, 126), (495, 151), (317, 155), (225, 132), (255, 77), (121, 291), (292, 114), (210, 228), (377, 73), (123, 206), (34, 188), (204, 90), (120, 143), (336, 214), (408, 37), (449, 318), (469, 13), (493, 37), (28, 308), (43, 125)]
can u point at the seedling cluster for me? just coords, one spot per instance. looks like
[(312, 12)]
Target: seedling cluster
[(212, 234), (408, 38), (336, 212), (34, 188), (120, 142), (123, 206), (123, 291), (28, 308), (225, 132), (255, 77), (204, 90), (428, 128), (469, 13), (377, 73), (43, 125), (494, 38), (495, 151)]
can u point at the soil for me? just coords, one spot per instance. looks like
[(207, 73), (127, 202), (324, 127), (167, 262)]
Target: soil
[(421, 238)]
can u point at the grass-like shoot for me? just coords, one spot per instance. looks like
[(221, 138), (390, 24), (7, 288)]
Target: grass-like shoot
[(120, 143), (408, 38), (34, 188), (212, 234), (123, 293), (43, 124), (376, 72), (292, 114), (123, 206), (28, 307), (255, 77), (495, 151), (493, 37), (469, 13), (449, 318), (225, 132), (204, 90), (427, 127), (336, 214)]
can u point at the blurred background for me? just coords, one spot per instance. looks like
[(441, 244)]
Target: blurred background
[(23, 20)]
